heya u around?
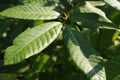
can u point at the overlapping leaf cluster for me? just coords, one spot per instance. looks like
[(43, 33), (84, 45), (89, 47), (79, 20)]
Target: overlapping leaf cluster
[(61, 39)]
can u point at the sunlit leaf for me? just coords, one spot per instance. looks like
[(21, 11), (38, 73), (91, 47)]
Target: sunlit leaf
[(114, 3), (40, 2), (32, 41), (30, 11)]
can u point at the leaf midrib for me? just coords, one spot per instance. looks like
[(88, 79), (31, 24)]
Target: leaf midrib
[(31, 42), (35, 13), (77, 43), (83, 56)]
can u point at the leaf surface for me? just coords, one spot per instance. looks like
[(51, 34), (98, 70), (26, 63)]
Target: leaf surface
[(93, 16), (40, 2), (32, 41), (85, 57), (114, 3), (5, 76), (112, 68), (31, 12)]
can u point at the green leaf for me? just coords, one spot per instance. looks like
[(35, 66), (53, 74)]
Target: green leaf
[(31, 12), (93, 9), (31, 75), (113, 68), (84, 56), (40, 2), (31, 42), (92, 36), (4, 76), (114, 3), (115, 36), (117, 78), (96, 3), (42, 62), (54, 4), (17, 68), (92, 21), (87, 7), (93, 16), (77, 76)]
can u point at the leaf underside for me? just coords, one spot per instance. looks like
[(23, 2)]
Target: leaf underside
[(31, 42)]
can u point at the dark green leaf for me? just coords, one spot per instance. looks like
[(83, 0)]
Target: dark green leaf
[(4, 76), (4, 26), (91, 17), (85, 57), (112, 68)]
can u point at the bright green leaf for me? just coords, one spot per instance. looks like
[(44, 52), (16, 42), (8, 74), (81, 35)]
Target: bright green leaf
[(115, 36), (40, 2), (31, 42), (31, 12)]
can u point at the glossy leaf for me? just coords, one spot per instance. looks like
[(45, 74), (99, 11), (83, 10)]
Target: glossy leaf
[(30, 11), (31, 42), (85, 57)]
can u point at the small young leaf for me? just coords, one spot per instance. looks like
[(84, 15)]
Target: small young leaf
[(31, 42)]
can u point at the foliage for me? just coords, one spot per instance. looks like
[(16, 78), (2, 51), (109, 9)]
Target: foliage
[(59, 40)]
